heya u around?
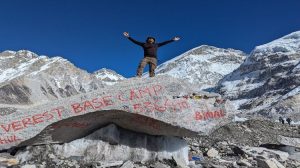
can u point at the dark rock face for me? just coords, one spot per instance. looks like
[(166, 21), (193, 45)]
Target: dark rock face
[(27, 78), (13, 93)]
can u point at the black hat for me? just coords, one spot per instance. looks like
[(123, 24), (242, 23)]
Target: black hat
[(150, 38)]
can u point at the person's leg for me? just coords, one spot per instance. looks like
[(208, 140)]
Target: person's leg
[(153, 64), (141, 67)]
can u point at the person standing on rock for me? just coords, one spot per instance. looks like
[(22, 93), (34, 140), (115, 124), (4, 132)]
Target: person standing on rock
[(281, 120), (289, 120), (150, 53)]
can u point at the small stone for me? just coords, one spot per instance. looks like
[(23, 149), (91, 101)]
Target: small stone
[(212, 153), (250, 158), (244, 162), (180, 162), (127, 164), (261, 157), (111, 164), (9, 161), (138, 166), (269, 163), (51, 156), (160, 165), (217, 166), (192, 164), (28, 166), (278, 164)]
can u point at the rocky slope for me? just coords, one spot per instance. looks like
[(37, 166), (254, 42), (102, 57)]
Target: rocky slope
[(254, 143), (203, 65), (26, 78), (267, 83)]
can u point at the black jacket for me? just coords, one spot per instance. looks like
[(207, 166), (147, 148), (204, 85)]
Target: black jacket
[(150, 50)]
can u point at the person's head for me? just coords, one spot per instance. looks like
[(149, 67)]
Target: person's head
[(150, 40)]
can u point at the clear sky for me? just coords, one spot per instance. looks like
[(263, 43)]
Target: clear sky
[(89, 32)]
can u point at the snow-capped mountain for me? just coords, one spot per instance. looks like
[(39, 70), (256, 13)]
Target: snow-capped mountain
[(268, 81), (204, 65), (108, 76), (26, 78)]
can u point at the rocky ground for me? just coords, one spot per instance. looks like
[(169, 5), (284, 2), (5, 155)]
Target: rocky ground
[(253, 143)]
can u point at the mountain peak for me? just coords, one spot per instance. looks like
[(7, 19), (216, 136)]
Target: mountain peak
[(20, 53), (109, 76), (204, 65), (207, 49), (288, 44)]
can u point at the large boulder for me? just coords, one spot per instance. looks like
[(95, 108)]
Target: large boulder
[(155, 106)]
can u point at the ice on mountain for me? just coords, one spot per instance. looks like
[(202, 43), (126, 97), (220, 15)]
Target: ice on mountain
[(288, 44), (203, 65)]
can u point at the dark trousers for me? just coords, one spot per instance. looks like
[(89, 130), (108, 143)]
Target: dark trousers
[(152, 63)]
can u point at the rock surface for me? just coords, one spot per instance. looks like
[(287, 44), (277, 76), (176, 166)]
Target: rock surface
[(153, 106)]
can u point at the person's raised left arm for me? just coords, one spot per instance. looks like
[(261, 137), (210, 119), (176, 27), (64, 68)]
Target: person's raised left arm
[(169, 41)]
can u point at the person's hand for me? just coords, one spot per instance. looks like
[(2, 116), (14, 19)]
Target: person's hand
[(126, 34), (176, 38)]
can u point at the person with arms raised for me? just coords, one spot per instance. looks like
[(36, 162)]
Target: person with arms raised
[(150, 53)]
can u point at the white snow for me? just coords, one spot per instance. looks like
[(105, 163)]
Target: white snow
[(47, 64), (239, 119), (28, 66), (204, 65), (296, 68), (288, 44), (231, 86), (108, 76), (10, 52), (223, 69), (7, 57), (291, 93), (237, 103), (15, 72)]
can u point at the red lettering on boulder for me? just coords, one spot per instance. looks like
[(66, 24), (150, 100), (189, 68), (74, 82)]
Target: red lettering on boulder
[(107, 100), (17, 125), (209, 115), (145, 91), (77, 108), (6, 128), (27, 121), (97, 101), (87, 105), (38, 118), (9, 139), (133, 95), (157, 89)]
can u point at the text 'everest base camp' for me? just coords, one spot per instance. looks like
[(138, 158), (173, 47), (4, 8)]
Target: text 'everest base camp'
[(209, 107)]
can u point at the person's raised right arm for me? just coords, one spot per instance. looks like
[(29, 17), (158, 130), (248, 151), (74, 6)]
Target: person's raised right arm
[(126, 34)]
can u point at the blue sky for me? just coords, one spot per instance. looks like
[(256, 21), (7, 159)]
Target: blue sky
[(89, 32)]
